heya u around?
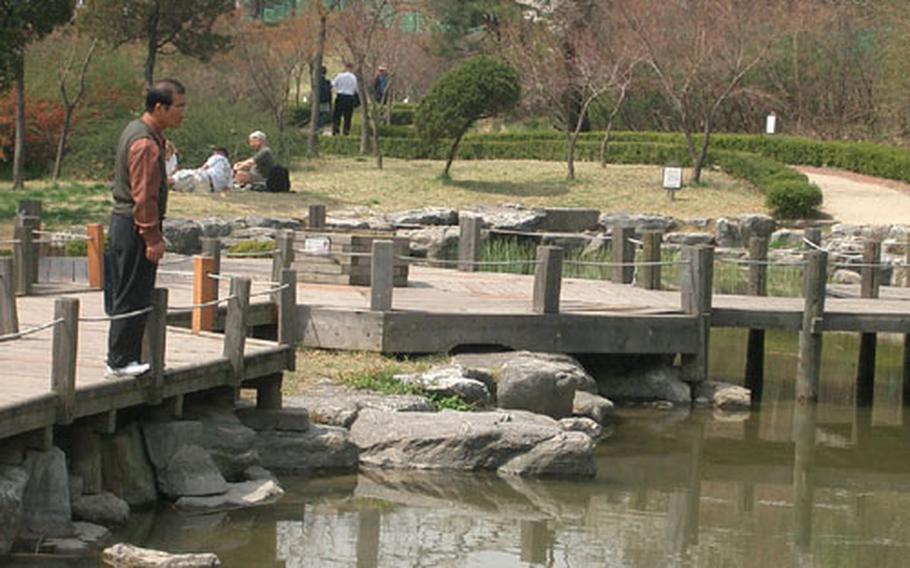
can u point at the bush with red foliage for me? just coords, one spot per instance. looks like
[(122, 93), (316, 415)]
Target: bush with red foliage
[(43, 120)]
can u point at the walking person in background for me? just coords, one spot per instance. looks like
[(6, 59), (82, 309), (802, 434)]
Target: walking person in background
[(140, 193), (325, 98), (345, 84), (381, 84)]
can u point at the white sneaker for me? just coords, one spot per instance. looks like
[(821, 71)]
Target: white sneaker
[(133, 369)]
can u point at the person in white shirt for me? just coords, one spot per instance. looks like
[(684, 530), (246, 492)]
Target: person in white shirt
[(346, 98), (214, 175)]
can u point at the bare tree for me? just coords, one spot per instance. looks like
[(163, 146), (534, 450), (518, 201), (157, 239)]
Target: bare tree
[(71, 101), (701, 52)]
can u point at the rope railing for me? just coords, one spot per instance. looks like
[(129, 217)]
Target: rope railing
[(832, 253), (636, 242), (310, 253), (63, 235), (10, 242), (270, 290), (607, 264), (116, 317), (181, 273), (210, 304), (414, 259), (261, 253), (174, 261), (749, 261), (862, 265), (29, 331)]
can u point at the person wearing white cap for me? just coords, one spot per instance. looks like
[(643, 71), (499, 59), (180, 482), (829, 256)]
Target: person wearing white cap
[(255, 171)]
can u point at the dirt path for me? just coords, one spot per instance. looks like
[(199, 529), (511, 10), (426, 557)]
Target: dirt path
[(861, 200)]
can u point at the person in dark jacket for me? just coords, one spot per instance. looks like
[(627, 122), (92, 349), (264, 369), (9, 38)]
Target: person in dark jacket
[(325, 97)]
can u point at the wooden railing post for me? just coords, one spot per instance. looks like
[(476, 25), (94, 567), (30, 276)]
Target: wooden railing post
[(316, 217), (205, 290), (696, 285), (211, 247), (755, 346), (94, 254), (810, 335), (623, 255), (869, 288), (468, 242), (382, 272), (29, 211), (906, 366), (235, 326), (814, 236), (284, 255), (154, 344), (9, 317), (63, 366), (649, 274), (547, 280), (24, 255), (287, 315)]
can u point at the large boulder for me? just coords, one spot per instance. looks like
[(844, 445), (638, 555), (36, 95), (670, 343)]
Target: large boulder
[(191, 472), (508, 217), (226, 439), (727, 233), (238, 495), (284, 419), (334, 405), (425, 216), (723, 396), (513, 442), (46, 502), (432, 242), (163, 439), (756, 225), (569, 219), (541, 383), (584, 425), (129, 556), (183, 236), (319, 448), (126, 470), (103, 509), (690, 239), (216, 227), (647, 384), (470, 385), (640, 222), (13, 480), (84, 457)]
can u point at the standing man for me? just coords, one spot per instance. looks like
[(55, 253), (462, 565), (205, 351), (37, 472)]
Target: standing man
[(136, 239), (345, 84)]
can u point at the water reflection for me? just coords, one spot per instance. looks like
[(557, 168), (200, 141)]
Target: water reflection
[(787, 485)]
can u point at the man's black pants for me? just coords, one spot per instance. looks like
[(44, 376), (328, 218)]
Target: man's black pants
[(132, 282), (344, 107)]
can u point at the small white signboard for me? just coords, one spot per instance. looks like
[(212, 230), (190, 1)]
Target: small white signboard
[(771, 124), (320, 246), (673, 176)]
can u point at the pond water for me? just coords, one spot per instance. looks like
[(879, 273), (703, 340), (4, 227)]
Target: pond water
[(825, 486)]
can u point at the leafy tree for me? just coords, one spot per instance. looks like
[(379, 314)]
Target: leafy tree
[(481, 87), (22, 22), (186, 26)]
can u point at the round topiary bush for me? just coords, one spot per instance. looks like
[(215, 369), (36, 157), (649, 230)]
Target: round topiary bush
[(481, 87), (789, 199)]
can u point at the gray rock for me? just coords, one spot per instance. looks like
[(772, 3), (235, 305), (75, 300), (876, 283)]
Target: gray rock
[(258, 472), (569, 219), (216, 227), (225, 438), (727, 234), (451, 380), (514, 442), (432, 242), (319, 448), (88, 537), (191, 472), (661, 383), (690, 239), (46, 502), (699, 222), (582, 424), (164, 439), (508, 217), (756, 225), (104, 509), (723, 396), (13, 480), (335, 405), (425, 216), (492, 363), (592, 406), (272, 223), (129, 556), (844, 276), (597, 245), (76, 484), (785, 238), (11, 453), (85, 458), (541, 383), (288, 419), (183, 236), (570, 243), (126, 470), (640, 222), (238, 495)]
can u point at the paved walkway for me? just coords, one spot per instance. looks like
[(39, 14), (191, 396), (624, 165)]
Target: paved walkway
[(861, 200)]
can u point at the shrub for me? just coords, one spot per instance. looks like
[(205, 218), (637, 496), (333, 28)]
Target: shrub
[(403, 114), (792, 200), (481, 87), (43, 120)]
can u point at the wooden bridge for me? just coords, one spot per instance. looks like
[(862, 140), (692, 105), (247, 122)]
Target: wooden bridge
[(55, 376)]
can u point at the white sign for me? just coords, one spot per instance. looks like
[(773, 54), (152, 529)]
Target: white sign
[(771, 124), (673, 177), (317, 246)]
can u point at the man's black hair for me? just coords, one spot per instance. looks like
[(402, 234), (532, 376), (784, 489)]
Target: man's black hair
[(163, 92)]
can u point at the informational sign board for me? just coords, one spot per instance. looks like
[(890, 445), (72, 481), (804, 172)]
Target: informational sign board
[(771, 124), (673, 176), (320, 246)]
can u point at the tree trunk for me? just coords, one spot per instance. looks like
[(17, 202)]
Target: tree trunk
[(313, 135), (19, 147), (374, 125), (571, 140), (364, 111), (703, 153), (61, 144), (604, 144), (451, 157), (150, 57)]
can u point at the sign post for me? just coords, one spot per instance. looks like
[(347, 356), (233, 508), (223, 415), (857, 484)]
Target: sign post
[(672, 179)]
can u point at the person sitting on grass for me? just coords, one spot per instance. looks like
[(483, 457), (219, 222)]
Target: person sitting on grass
[(214, 175), (254, 172)]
